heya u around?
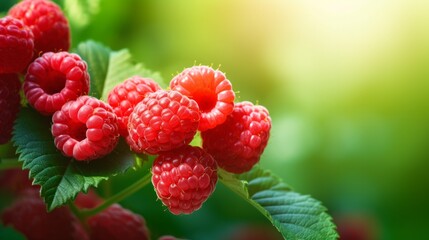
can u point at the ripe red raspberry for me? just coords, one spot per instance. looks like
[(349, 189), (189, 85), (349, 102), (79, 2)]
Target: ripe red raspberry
[(117, 223), (55, 78), (184, 178), (16, 45), (9, 104), (210, 89), (47, 22), (28, 215), (85, 129), (238, 143), (126, 95), (163, 121)]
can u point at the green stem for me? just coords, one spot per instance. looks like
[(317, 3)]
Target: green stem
[(76, 211), (242, 194), (117, 197), (9, 163)]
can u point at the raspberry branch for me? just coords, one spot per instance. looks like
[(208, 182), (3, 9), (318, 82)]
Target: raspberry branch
[(82, 214)]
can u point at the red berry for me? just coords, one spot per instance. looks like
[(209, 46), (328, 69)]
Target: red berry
[(28, 215), (238, 143), (55, 78), (117, 223), (184, 178), (210, 89), (163, 121), (15, 181), (47, 22), (9, 104), (85, 129), (88, 200), (126, 95), (16, 45)]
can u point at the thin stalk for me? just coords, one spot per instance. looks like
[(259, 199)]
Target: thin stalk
[(9, 163), (118, 197)]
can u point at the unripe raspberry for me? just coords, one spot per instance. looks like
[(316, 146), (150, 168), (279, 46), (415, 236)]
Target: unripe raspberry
[(238, 143), (85, 129), (28, 215), (210, 89), (184, 178), (163, 121), (126, 95), (47, 22), (9, 104), (55, 78), (16, 45)]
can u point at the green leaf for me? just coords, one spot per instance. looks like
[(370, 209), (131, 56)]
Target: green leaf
[(61, 178), (97, 57), (108, 68), (296, 216)]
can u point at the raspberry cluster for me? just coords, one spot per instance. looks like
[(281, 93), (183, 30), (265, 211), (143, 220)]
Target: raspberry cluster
[(164, 122), (35, 38)]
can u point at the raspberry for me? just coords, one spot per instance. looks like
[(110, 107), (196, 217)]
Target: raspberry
[(85, 129), (55, 78), (238, 143), (88, 200), (210, 89), (15, 181), (163, 121), (117, 223), (184, 178), (47, 22), (16, 45), (9, 104), (28, 215), (126, 95)]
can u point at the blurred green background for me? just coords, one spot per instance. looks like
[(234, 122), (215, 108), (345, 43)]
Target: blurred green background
[(346, 83)]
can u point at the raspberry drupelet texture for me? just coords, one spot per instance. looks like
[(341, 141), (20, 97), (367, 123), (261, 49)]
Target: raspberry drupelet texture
[(126, 95), (55, 78), (28, 215), (210, 89), (47, 22), (16, 45), (184, 178), (9, 104), (163, 121), (117, 223), (85, 129), (238, 143)]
